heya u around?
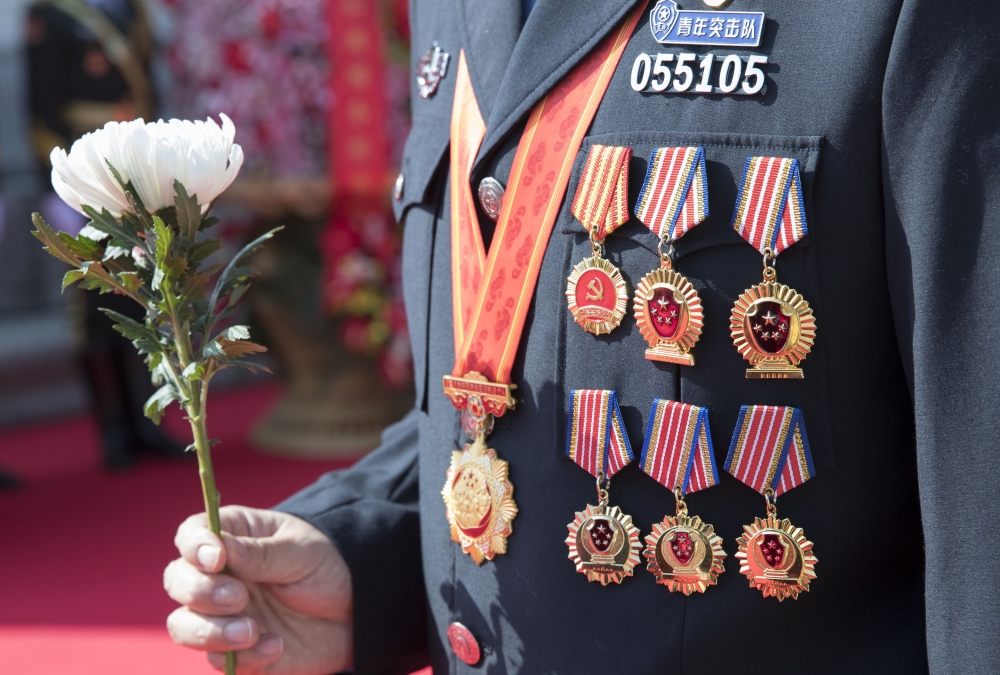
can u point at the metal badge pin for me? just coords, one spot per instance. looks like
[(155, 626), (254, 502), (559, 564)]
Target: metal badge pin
[(431, 69), (491, 197)]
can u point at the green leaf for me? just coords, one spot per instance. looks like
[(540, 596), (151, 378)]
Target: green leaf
[(194, 371), (131, 196), (53, 244), (233, 274), (115, 252), (236, 333), (168, 268), (164, 238), (213, 350), (188, 211), (203, 249), (88, 249), (71, 277), (131, 281), (237, 293), (105, 222), (145, 339), (159, 401)]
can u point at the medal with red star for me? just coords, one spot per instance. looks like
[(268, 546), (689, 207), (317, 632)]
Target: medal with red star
[(673, 199), (683, 552), (771, 324), (770, 453), (603, 543)]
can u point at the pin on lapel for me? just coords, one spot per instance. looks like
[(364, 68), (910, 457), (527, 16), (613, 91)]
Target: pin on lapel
[(431, 69)]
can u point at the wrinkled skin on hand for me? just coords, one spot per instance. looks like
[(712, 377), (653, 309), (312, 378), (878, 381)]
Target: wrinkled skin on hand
[(284, 605)]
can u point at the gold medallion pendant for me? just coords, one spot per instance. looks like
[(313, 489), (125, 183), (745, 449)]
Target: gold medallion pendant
[(770, 453), (603, 543), (673, 199), (479, 501), (771, 325), (773, 328), (669, 314), (684, 553), (596, 295), (776, 557), (478, 495)]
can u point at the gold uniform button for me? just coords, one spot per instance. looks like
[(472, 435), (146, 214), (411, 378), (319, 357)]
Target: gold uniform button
[(463, 644)]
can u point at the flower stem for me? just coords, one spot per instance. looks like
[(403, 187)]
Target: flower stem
[(197, 418)]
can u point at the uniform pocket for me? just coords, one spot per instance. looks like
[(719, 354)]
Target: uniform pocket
[(721, 266)]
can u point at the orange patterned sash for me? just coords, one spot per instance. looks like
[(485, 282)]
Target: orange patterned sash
[(489, 319)]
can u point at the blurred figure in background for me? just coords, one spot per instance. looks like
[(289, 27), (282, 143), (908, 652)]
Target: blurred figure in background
[(88, 64)]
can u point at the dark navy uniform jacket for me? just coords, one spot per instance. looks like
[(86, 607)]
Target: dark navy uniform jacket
[(893, 109)]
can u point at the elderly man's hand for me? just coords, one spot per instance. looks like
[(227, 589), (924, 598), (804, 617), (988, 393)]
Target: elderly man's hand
[(284, 605)]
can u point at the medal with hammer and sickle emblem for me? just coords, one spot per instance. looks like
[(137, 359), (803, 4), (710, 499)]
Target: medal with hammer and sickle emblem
[(596, 293)]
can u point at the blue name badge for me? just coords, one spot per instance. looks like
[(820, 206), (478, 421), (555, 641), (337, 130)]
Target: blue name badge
[(674, 26)]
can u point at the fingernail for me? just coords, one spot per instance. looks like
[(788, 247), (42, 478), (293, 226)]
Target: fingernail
[(227, 595), (238, 632), (208, 556), (269, 645)]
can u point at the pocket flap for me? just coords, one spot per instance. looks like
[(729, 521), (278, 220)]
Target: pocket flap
[(422, 158)]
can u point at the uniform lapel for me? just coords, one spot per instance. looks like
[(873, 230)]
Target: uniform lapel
[(489, 32), (556, 36)]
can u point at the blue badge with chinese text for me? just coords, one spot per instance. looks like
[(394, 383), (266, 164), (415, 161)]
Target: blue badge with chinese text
[(671, 25)]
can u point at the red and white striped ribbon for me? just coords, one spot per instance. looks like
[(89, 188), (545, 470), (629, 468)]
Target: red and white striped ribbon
[(677, 452), (770, 213), (770, 449), (596, 438), (674, 195)]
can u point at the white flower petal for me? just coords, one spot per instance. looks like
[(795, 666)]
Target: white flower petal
[(201, 155)]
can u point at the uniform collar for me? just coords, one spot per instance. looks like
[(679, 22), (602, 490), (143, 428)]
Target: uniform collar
[(489, 31), (557, 35)]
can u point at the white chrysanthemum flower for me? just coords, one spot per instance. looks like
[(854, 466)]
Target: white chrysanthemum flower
[(201, 155)]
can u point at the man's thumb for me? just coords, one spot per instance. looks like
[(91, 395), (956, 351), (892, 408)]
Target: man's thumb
[(270, 560)]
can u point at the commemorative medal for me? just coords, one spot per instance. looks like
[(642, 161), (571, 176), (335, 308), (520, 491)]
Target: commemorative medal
[(603, 543), (770, 453), (596, 292), (673, 199), (478, 495), (683, 552), (771, 325), (491, 293)]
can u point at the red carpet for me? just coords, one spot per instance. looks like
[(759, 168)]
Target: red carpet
[(82, 552)]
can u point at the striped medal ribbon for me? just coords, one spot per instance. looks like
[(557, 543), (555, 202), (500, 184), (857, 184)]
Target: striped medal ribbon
[(596, 294), (770, 453), (683, 552), (771, 324), (492, 290), (673, 199), (603, 543)]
